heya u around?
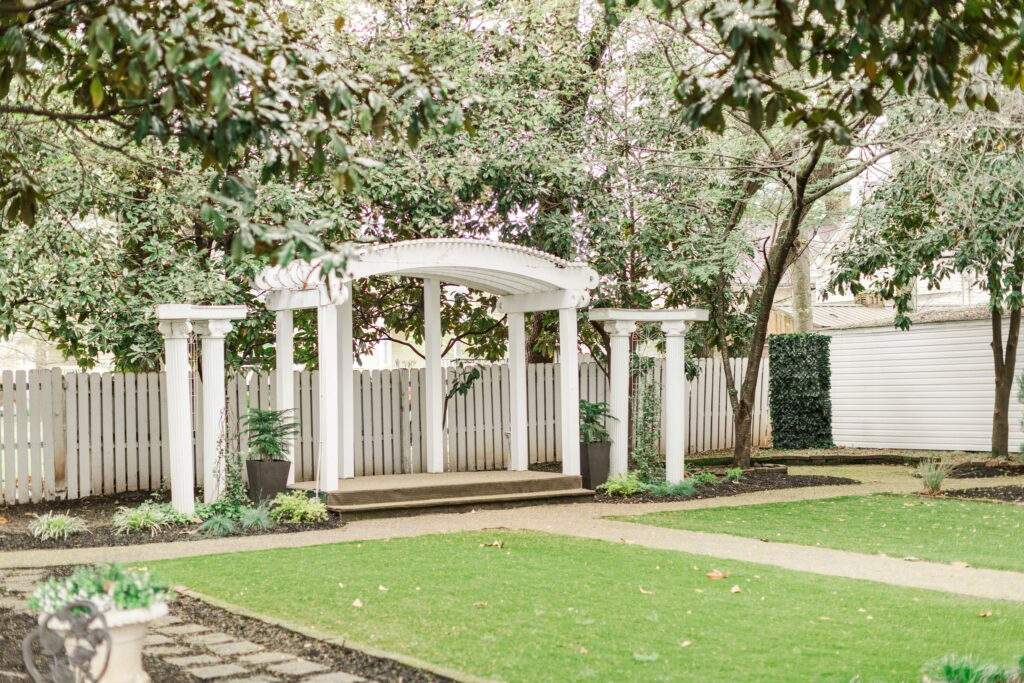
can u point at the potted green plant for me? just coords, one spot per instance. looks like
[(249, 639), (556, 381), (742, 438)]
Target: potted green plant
[(595, 444), (270, 434), (128, 598)]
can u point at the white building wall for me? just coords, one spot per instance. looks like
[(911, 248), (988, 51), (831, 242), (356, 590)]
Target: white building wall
[(931, 387)]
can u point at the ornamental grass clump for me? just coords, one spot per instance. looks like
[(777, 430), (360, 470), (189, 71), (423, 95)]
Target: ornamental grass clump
[(623, 485), (933, 472), (149, 516), (109, 587), (960, 669), (56, 526), (297, 508)]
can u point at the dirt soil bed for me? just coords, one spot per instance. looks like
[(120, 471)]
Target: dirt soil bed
[(1010, 494), (751, 482), (97, 511), (981, 470)]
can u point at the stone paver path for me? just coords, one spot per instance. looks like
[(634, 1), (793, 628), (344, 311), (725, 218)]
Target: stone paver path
[(196, 649)]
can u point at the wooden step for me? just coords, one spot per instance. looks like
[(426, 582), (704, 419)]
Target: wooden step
[(558, 495), (403, 490)]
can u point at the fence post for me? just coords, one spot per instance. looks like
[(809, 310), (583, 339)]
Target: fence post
[(58, 433)]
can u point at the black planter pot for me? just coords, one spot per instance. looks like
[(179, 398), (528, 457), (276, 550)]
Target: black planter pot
[(267, 478), (594, 463)]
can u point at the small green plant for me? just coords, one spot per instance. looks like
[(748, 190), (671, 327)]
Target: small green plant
[(933, 472), (592, 421), (148, 516), (234, 492), (623, 485), (56, 526), (255, 518), (109, 587), (734, 474), (270, 433), (661, 488), (957, 669), (297, 508), (703, 478), (644, 458), (219, 525)]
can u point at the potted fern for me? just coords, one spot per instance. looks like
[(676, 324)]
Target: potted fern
[(595, 444), (128, 598), (270, 433)]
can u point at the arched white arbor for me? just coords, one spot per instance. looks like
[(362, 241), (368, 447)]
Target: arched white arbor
[(525, 280)]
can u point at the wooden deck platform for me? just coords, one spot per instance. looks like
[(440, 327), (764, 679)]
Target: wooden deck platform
[(409, 492)]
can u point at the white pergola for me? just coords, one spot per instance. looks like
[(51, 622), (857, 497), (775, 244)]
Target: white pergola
[(620, 324), (525, 280)]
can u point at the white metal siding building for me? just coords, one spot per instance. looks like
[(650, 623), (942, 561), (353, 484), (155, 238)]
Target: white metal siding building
[(931, 387)]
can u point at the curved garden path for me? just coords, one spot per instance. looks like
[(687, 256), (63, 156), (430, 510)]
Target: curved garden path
[(587, 520)]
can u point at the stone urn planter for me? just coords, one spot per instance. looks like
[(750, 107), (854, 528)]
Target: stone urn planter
[(128, 629)]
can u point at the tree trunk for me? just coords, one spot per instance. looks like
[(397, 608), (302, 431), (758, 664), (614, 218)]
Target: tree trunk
[(1005, 367), (743, 422), (802, 300)]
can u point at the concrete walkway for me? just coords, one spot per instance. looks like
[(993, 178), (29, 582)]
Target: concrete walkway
[(586, 520)]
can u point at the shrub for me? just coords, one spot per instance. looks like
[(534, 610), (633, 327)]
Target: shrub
[(956, 669), (297, 508), (734, 474), (662, 488), (644, 458), (799, 390), (108, 587), (703, 478), (623, 485), (592, 421), (219, 525), (257, 518), (149, 516), (933, 472), (50, 526), (270, 433)]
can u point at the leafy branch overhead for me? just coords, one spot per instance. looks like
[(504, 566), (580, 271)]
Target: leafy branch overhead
[(231, 83)]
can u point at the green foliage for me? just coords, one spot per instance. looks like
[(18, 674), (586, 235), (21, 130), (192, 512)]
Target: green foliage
[(297, 508), (109, 587), (219, 525), (967, 669), (933, 472), (800, 383), (235, 493), (592, 422), (56, 526), (148, 516), (626, 484), (270, 433), (734, 474), (703, 478), (255, 518), (660, 488), (644, 457)]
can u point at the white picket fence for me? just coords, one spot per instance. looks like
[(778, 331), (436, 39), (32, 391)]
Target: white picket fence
[(76, 435)]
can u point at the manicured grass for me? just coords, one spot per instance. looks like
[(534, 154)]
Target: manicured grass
[(543, 607), (939, 529)]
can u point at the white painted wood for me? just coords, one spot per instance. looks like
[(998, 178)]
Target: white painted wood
[(518, 459), (435, 390), (71, 439), (328, 320), (34, 392), (619, 333), (164, 477), (543, 301), (418, 456), (346, 388), (212, 335), (674, 387), (120, 450), (361, 423), (179, 415), (21, 418), (95, 407), (569, 408), (55, 431), (314, 385), (131, 434), (142, 407), (155, 460), (304, 451), (10, 439), (284, 378)]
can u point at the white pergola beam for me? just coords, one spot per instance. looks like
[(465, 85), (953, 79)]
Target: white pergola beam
[(194, 312), (518, 453), (569, 408), (434, 408), (543, 301), (649, 316)]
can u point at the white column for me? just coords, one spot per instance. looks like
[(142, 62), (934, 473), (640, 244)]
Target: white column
[(212, 334), (518, 453), (619, 332), (346, 397), (179, 414), (675, 399), (433, 416), (327, 352), (284, 375), (569, 369)]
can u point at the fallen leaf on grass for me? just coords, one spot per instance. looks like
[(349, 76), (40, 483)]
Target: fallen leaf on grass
[(735, 589), (962, 565), (341, 585), (697, 590), (717, 574), (646, 592), (986, 613), (626, 540), (357, 603), (493, 544), (382, 589), (583, 650), (764, 540), (685, 643), (479, 604)]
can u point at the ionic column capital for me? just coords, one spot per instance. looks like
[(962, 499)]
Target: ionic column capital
[(619, 328), (213, 329), (674, 328), (175, 329)]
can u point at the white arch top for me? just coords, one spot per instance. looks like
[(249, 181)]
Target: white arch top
[(494, 267)]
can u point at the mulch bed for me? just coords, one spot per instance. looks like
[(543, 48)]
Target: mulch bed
[(280, 639), (1010, 494), (981, 470), (97, 511), (752, 481)]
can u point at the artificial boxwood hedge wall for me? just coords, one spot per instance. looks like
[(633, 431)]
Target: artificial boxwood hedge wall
[(799, 390)]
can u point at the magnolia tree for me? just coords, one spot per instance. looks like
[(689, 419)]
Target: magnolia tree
[(952, 206)]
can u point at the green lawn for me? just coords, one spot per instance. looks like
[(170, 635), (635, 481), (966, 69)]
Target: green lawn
[(551, 608), (942, 530)]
